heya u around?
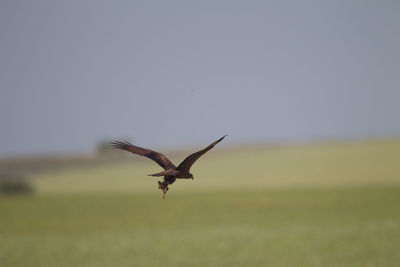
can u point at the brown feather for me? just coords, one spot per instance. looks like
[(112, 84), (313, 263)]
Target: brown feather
[(169, 172), (191, 159), (159, 158)]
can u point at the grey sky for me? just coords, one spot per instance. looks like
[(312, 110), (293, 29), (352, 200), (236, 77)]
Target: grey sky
[(179, 73)]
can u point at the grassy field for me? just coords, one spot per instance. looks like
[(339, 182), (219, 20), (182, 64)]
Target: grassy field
[(300, 205)]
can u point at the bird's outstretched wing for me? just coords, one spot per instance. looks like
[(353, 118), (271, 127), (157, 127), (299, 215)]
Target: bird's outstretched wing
[(188, 161), (161, 160)]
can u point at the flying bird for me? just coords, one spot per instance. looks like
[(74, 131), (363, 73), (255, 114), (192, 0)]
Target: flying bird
[(171, 172)]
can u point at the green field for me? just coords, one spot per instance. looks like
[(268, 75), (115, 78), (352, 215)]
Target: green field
[(332, 204)]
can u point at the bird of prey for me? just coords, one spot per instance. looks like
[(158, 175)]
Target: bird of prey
[(171, 172)]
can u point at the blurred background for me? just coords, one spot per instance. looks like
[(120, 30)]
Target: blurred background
[(307, 91)]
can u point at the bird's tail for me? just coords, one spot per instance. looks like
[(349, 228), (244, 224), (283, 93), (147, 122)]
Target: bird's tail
[(169, 172)]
